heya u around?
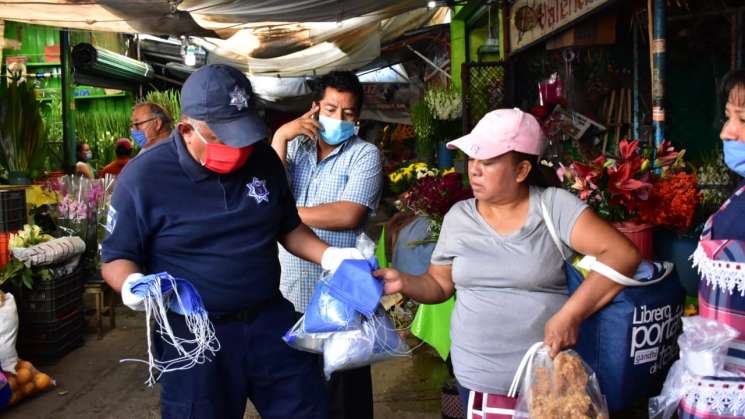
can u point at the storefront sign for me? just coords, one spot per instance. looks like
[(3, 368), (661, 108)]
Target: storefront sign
[(533, 20)]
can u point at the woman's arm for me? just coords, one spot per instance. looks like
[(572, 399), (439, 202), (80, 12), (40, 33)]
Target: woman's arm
[(435, 286), (594, 237)]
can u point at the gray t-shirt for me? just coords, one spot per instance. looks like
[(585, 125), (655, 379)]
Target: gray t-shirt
[(507, 286)]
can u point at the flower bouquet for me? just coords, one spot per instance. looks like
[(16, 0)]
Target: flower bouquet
[(447, 108), (432, 197), (404, 177), (672, 202), (616, 187), (635, 193), (79, 198), (16, 271)]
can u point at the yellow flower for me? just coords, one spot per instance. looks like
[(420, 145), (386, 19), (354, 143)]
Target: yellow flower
[(448, 171), (15, 241), (391, 176), (396, 178)]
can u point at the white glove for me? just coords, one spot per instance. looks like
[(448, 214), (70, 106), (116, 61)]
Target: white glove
[(334, 256), (135, 302)]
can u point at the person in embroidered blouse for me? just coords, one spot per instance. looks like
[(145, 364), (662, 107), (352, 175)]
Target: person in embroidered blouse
[(721, 250)]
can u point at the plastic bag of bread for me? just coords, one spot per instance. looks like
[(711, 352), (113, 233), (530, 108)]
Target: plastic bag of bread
[(559, 388)]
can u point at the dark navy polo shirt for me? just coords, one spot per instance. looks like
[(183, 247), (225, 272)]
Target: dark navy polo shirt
[(728, 224), (220, 232)]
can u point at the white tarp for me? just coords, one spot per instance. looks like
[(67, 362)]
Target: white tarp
[(316, 48), (219, 13), (257, 36)]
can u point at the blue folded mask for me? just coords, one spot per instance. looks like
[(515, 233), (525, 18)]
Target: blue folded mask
[(354, 284), (327, 314)]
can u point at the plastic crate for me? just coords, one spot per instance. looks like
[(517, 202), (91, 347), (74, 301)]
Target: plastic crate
[(43, 343), (12, 209), (52, 300)]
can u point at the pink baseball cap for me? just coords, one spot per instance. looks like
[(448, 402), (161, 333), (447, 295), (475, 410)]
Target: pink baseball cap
[(502, 131)]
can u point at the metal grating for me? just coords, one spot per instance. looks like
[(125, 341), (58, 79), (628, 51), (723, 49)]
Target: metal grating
[(483, 91)]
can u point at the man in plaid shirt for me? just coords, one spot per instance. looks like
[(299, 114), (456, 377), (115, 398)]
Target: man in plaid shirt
[(336, 179)]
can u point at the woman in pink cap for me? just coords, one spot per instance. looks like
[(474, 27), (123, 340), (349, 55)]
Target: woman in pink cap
[(497, 252)]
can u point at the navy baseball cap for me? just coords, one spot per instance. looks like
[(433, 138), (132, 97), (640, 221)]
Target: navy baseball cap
[(222, 97)]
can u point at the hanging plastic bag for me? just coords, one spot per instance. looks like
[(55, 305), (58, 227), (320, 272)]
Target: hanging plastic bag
[(325, 313), (703, 352), (551, 90), (563, 387), (297, 337), (163, 292), (353, 282), (8, 332), (374, 341)]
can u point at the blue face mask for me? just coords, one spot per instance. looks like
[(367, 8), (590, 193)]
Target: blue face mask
[(139, 137), (335, 131), (734, 156)]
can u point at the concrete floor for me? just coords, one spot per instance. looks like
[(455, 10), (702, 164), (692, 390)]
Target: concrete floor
[(92, 384)]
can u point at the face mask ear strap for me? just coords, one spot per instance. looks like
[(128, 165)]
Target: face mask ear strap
[(199, 134)]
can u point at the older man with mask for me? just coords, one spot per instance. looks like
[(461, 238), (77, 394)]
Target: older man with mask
[(210, 205), (336, 179), (149, 125)]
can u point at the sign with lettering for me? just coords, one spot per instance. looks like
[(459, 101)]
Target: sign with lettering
[(533, 20)]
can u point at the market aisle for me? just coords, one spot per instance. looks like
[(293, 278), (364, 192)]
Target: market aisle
[(92, 384)]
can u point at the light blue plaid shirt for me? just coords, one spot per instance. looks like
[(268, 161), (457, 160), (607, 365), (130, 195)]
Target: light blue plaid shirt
[(352, 172)]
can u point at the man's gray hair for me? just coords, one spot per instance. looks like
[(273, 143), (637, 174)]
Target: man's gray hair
[(157, 112)]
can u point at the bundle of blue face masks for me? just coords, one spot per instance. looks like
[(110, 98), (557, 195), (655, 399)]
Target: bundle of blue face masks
[(162, 292), (343, 319), (325, 313)]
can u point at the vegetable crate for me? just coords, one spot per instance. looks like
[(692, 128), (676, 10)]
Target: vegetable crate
[(52, 300), (12, 209), (47, 342)]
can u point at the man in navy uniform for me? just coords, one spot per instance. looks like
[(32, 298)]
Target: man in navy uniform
[(210, 205)]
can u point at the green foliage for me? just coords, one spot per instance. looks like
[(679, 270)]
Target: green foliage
[(54, 119), (21, 276), (100, 130), (170, 100), (23, 136), (714, 179), (424, 127)]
